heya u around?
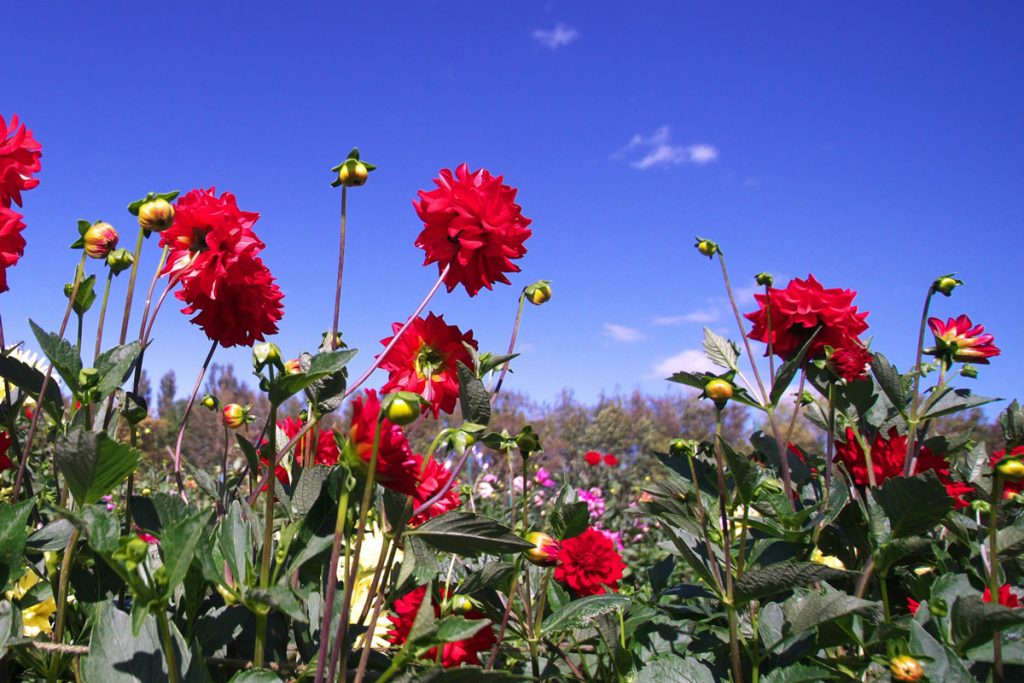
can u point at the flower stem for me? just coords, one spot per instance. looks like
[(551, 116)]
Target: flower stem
[(993, 574), (912, 421), (268, 539), (341, 269), (103, 314), (174, 675), (34, 424), (734, 643), (62, 589), (332, 584), (511, 345), (184, 423), (131, 288)]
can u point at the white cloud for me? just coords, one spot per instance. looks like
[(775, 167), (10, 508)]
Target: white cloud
[(658, 149), (703, 316), (621, 333), (690, 360), (560, 36)]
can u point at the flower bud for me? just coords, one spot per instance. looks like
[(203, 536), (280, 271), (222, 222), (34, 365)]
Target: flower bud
[(210, 402), (1011, 468), (135, 409), (99, 240), (538, 293), (946, 284), (718, 390), (707, 247), (765, 279), (982, 506), (683, 447), (969, 371), (120, 260), (293, 366), (264, 353), (353, 173), (88, 378), (156, 216), (461, 604), (544, 552), (402, 408), (29, 407), (235, 416), (905, 668), (147, 492)]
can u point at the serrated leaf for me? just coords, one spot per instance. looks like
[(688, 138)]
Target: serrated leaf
[(675, 669), (454, 628), (101, 528), (955, 401), (570, 519), (892, 551), (787, 371), (1012, 422), (234, 543), (13, 537), (760, 583), (93, 464), (474, 400), (61, 354), (321, 366), (974, 620), (114, 366), (492, 575), (580, 613), (178, 543), (30, 381), (746, 474), (721, 351), (807, 611), (469, 535), (913, 505), (939, 662), (889, 380), (308, 488), (85, 297)]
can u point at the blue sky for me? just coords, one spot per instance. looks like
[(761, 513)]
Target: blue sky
[(874, 145)]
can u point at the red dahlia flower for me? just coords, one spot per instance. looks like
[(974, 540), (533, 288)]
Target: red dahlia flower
[(958, 341), (610, 460), (396, 464), (424, 361), (326, 446), (432, 479), (472, 222), (588, 563), (801, 308), (1010, 488), (593, 458), (12, 244), (452, 654), (887, 460), (1007, 598), (913, 605), (850, 362), (208, 233), (5, 443), (19, 159)]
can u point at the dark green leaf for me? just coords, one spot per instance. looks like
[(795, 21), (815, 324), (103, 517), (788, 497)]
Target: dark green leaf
[(809, 610), (62, 355), (316, 546), (974, 620), (93, 464), (255, 676), (281, 598), (1012, 422), (891, 552), (746, 474), (468, 534), (688, 545), (101, 528), (473, 397), (178, 544), (580, 613), (252, 458), (799, 673), (760, 583), (939, 662), (234, 543), (463, 674), (85, 297), (321, 366), (787, 371), (13, 536), (53, 536), (913, 505), (721, 351), (454, 628), (30, 381), (889, 380), (570, 519), (492, 575), (675, 669), (114, 366), (307, 489), (954, 401)]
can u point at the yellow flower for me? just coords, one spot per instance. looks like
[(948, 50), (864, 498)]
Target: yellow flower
[(35, 618), (827, 560)]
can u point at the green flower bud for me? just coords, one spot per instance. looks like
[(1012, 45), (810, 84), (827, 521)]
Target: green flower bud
[(707, 247), (156, 216), (906, 668), (1011, 468), (765, 279), (719, 391), (402, 408), (120, 260), (210, 402), (538, 293), (969, 371), (544, 552), (461, 604), (683, 447), (88, 378), (946, 284), (265, 353)]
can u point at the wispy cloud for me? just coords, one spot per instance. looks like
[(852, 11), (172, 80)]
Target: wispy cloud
[(690, 360), (559, 36), (703, 316), (658, 149), (621, 333)]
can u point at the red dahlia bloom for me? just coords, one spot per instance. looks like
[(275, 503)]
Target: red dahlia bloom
[(588, 563), (19, 159), (850, 362), (958, 340), (913, 605), (452, 654), (5, 443), (472, 222), (593, 458), (326, 446), (610, 460), (888, 456), (396, 464), (801, 308), (424, 361), (1010, 488), (1007, 598), (431, 480), (12, 244)]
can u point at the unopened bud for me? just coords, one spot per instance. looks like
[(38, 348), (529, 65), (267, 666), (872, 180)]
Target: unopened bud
[(683, 447), (544, 552), (264, 353), (982, 506), (293, 366), (88, 378), (718, 390), (539, 292), (765, 279), (1011, 468), (120, 260), (402, 408), (353, 173), (969, 371), (461, 604), (156, 215), (707, 247), (210, 402), (946, 284), (99, 240), (135, 409), (906, 668), (235, 416)]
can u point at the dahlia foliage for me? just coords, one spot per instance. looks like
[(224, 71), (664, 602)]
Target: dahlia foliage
[(337, 529)]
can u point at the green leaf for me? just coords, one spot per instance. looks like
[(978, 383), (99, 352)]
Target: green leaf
[(85, 297), (491, 575), (308, 488), (746, 474), (62, 355), (234, 543), (93, 464), (799, 673), (454, 628), (321, 366), (101, 529), (30, 381), (939, 662), (53, 536), (676, 669), (469, 535), (255, 676), (178, 545), (687, 544), (580, 613), (892, 551), (760, 583), (13, 537), (252, 458), (474, 400), (463, 674), (807, 611), (1012, 422), (569, 520), (721, 351), (114, 366), (913, 505), (954, 401), (889, 380), (281, 598), (974, 620), (10, 625), (787, 371), (316, 546)]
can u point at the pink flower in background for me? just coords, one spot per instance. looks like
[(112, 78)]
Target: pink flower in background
[(594, 499), (614, 536), (544, 478)]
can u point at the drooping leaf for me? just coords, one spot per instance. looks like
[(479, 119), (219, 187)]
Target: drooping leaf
[(760, 583), (473, 397), (321, 366), (93, 464), (974, 620), (469, 535), (53, 536), (30, 381), (913, 505), (955, 401), (582, 612), (806, 611)]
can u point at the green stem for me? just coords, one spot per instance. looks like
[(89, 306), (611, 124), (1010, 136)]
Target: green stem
[(511, 345), (341, 269), (883, 588), (332, 583), (734, 641), (65, 578), (167, 641), (993, 574), (912, 422), (268, 539), (103, 314), (131, 287)]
